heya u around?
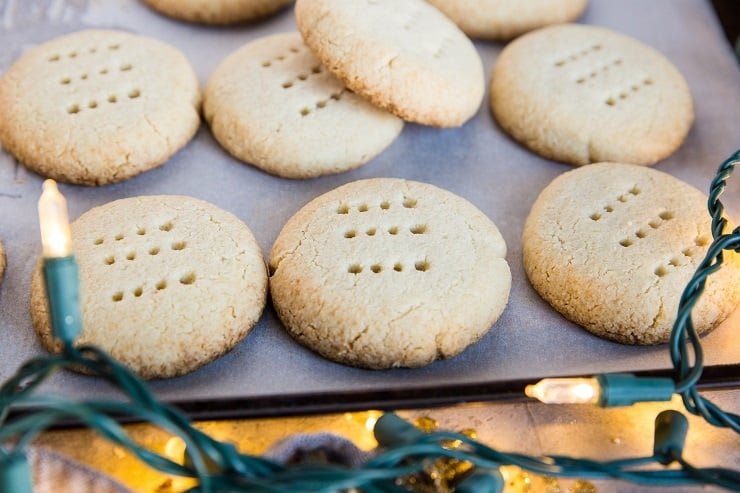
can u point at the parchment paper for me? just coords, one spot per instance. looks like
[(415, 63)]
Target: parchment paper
[(478, 162)]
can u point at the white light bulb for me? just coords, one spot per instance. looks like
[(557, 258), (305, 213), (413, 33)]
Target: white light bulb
[(55, 235), (565, 390)]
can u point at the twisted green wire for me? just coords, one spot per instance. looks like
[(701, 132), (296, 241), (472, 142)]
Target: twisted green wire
[(684, 340)]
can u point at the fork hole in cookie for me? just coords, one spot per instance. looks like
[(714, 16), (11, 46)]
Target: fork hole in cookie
[(138, 291), (634, 190), (161, 285), (305, 111), (154, 251), (98, 241), (623, 198), (103, 71), (666, 215), (641, 233), (114, 46), (316, 69), (141, 231), (655, 223), (92, 105), (393, 230), (354, 269), (74, 109), (65, 81), (178, 245), (126, 67), (370, 232), (409, 203), (661, 271), (188, 278), (119, 237), (418, 229), (117, 296), (112, 98), (131, 256), (675, 262), (362, 208), (626, 242), (421, 265), (343, 209), (135, 93), (54, 58), (385, 205), (595, 216), (701, 241), (166, 226), (398, 267), (110, 260), (376, 268), (288, 84), (350, 234)]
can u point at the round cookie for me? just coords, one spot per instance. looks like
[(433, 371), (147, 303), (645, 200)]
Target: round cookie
[(612, 247), (97, 107), (506, 19), (584, 94), (217, 11), (168, 283), (386, 272), (272, 104), (406, 57)]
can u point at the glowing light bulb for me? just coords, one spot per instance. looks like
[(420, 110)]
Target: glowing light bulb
[(565, 390), (55, 235)]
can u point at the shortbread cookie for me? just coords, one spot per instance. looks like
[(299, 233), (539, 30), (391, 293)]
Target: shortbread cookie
[(217, 11), (385, 273), (168, 283), (97, 107), (272, 104), (612, 247), (406, 57), (506, 19), (584, 94)]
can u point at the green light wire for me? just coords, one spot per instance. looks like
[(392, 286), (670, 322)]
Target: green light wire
[(686, 376), (219, 467)]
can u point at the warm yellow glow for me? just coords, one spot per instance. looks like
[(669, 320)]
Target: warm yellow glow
[(55, 235), (370, 421), (175, 449), (565, 390)]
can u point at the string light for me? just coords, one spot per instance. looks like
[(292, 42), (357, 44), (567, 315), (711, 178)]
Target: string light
[(405, 449)]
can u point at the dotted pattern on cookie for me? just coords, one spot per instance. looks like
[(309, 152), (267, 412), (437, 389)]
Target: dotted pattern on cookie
[(119, 250), (111, 69), (592, 62), (654, 223), (303, 77)]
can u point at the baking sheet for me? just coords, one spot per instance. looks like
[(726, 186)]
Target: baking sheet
[(268, 370)]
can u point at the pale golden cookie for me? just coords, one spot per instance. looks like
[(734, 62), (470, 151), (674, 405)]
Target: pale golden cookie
[(168, 283), (97, 107), (272, 104), (612, 246), (217, 11), (506, 19), (406, 57), (386, 272), (584, 94)]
